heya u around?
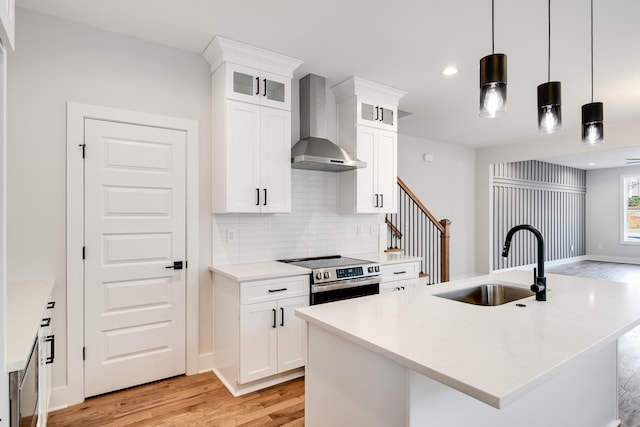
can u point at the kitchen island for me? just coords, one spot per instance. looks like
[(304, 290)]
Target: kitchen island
[(416, 359)]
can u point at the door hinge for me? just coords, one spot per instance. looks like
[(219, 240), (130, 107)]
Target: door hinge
[(83, 252), (84, 353), (83, 148)]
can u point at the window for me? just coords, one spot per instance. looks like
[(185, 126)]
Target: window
[(630, 209)]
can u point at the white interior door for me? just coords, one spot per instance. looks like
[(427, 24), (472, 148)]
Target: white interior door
[(134, 306)]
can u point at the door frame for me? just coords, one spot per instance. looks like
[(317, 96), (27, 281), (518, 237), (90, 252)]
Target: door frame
[(76, 114)]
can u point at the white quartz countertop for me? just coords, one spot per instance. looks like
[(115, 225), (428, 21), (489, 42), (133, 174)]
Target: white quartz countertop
[(494, 354), (386, 257), (260, 270), (271, 269), (26, 301)]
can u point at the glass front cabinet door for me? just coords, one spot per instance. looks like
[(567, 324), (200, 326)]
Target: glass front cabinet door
[(377, 115), (258, 87)]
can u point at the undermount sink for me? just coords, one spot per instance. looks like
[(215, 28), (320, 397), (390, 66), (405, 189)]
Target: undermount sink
[(488, 294)]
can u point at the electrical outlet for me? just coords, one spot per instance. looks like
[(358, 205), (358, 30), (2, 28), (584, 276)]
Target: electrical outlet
[(600, 246), (360, 230), (232, 234)]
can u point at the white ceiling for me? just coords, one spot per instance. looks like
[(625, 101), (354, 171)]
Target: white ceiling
[(406, 44)]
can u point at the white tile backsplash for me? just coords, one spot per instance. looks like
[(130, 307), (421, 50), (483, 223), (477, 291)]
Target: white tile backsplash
[(313, 227)]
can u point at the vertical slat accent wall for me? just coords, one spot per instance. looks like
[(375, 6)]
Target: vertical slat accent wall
[(547, 196)]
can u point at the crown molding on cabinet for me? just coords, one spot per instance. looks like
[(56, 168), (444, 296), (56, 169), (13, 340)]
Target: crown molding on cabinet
[(222, 49)]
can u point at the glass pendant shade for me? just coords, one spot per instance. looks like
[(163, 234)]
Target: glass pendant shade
[(549, 111), (592, 123), (493, 85)]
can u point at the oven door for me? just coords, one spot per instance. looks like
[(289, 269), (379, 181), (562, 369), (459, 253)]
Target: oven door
[(344, 289)]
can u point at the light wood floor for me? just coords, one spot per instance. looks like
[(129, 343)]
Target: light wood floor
[(201, 400), (197, 400)]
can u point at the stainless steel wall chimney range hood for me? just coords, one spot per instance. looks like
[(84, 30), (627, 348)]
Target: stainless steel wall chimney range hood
[(314, 150)]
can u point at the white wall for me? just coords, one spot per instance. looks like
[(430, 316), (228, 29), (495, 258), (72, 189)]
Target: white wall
[(446, 186), (58, 61), (604, 215), (622, 134)]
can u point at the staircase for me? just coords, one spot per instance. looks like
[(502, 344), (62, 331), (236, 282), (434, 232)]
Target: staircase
[(415, 231)]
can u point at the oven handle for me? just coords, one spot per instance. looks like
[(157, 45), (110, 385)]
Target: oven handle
[(345, 284)]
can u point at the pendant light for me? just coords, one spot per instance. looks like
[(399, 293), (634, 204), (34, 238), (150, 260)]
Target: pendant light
[(549, 113), (592, 113), (493, 80)]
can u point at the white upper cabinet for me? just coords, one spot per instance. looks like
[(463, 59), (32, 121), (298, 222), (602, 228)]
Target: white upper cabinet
[(251, 144), (367, 128), (7, 23), (258, 87), (377, 115)]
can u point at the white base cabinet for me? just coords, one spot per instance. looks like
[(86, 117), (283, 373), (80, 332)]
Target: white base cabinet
[(258, 340), (271, 338), (399, 277)]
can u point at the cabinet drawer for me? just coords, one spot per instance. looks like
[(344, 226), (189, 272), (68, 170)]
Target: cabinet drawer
[(401, 271), (273, 289), (397, 285)]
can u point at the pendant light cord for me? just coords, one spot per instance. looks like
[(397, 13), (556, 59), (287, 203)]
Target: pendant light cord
[(493, 49), (549, 46), (592, 51)]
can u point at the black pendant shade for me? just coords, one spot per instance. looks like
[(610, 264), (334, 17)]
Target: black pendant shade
[(593, 123), (493, 85), (592, 113), (549, 110)]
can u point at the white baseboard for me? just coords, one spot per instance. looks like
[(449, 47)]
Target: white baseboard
[(547, 263), (205, 362), (60, 398), (618, 259)]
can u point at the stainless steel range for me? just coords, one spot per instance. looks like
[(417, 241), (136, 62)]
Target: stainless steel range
[(335, 278)]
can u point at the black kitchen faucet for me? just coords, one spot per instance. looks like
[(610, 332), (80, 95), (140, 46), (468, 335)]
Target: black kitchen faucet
[(539, 281)]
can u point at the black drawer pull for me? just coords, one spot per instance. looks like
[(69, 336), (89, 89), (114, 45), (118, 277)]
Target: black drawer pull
[(257, 197), (277, 290), (274, 318), (257, 85), (399, 272), (45, 322), (281, 316), (51, 304), (51, 339)]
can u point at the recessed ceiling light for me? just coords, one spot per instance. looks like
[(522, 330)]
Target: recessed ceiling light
[(591, 164), (449, 71)]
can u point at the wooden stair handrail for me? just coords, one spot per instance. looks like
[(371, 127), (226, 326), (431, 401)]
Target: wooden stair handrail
[(422, 207), (393, 228), (444, 250)]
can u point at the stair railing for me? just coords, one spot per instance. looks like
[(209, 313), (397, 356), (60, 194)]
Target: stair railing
[(414, 230)]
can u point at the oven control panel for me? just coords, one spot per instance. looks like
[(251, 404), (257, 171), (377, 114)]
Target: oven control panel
[(342, 273), (327, 275)]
